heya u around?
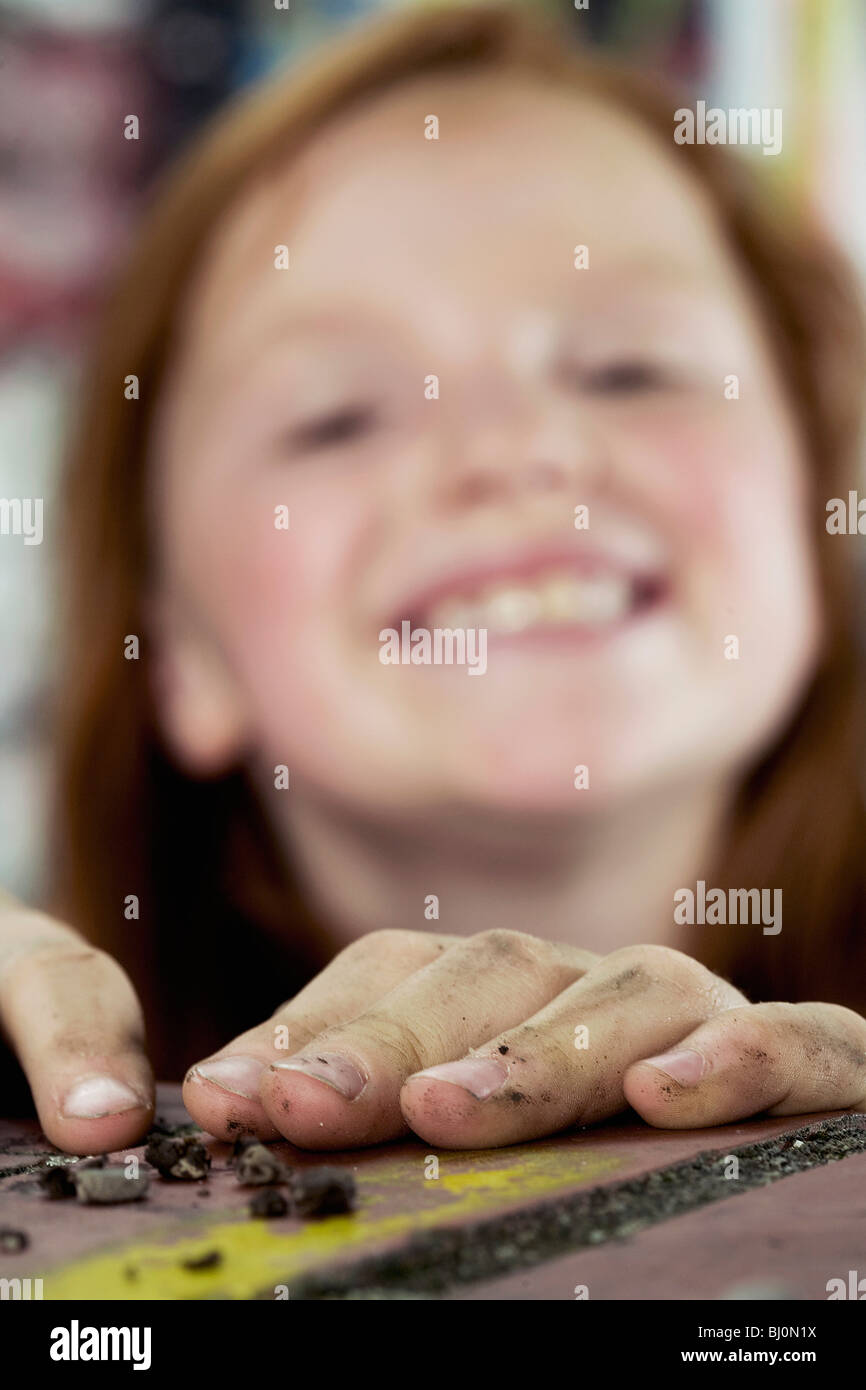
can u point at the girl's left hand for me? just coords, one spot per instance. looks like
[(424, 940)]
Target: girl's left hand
[(504, 1037)]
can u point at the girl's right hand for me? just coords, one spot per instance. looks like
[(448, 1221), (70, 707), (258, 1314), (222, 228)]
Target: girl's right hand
[(502, 1037), (72, 1017)]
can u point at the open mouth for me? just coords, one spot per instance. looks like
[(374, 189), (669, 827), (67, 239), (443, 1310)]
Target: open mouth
[(555, 600)]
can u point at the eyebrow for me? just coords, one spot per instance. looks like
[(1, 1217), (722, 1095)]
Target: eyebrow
[(302, 323), (640, 276), (291, 327), (665, 275), (294, 324)]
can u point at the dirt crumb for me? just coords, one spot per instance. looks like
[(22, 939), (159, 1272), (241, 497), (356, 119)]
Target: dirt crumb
[(183, 1159), (268, 1203), (209, 1260), (323, 1192), (258, 1166), (56, 1183), (11, 1241)]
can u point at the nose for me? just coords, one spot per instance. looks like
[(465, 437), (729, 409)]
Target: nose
[(517, 440)]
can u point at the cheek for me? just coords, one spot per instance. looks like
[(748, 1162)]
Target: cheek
[(276, 597), (728, 488), (706, 467)]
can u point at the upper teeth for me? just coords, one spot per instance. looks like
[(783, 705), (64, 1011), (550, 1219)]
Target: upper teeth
[(553, 600)]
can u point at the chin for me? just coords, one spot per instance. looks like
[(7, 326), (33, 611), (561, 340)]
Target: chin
[(527, 777)]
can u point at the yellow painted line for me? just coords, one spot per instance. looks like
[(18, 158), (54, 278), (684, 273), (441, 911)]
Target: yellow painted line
[(257, 1257)]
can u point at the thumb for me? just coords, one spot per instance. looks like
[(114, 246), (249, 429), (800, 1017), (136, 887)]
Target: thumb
[(75, 1023)]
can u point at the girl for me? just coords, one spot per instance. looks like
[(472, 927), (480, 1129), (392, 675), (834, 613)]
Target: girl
[(447, 330)]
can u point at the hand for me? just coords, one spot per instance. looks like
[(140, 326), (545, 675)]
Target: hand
[(475, 1042), (72, 1017)]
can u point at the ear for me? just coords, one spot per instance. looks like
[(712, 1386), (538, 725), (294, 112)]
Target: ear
[(198, 701)]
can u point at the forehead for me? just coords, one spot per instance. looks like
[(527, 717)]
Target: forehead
[(520, 174)]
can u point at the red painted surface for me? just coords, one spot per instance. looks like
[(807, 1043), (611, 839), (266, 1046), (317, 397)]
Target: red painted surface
[(784, 1241), (694, 1256)]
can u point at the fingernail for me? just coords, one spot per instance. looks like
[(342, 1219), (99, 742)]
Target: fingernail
[(98, 1096), (330, 1067), (239, 1075), (686, 1067), (480, 1076)]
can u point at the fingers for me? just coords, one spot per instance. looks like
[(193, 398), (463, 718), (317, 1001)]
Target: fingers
[(786, 1059), (222, 1092), (344, 1089), (565, 1065), (72, 1017)]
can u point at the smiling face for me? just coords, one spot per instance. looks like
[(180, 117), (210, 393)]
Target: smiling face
[(559, 387)]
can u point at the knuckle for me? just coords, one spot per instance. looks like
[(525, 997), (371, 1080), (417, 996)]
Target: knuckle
[(500, 943), (650, 958), (60, 983), (308, 1023), (665, 965), (756, 1035), (561, 1059), (301, 1031), (830, 1034), (77, 1040), (51, 959), (386, 941), (849, 1025), (402, 1042)]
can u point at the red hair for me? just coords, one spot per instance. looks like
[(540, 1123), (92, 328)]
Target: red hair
[(198, 854)]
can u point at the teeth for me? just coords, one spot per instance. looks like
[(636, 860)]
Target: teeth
[(455, 613), (554, 601), (512, 610), (600, 599)]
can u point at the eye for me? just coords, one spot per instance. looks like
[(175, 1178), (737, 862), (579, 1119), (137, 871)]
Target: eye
[(337, 427), (622, 378)]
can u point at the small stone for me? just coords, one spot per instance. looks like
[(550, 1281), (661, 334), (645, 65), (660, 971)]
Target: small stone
[(269, 1202), (209, 1260), (108, 1186), (56, 1183), (258, 1166), (323, 1191), (194, 1165), (183, 1158), (162, 1152), (12, 1241)]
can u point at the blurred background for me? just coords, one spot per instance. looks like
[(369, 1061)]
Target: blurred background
[(71, 71)]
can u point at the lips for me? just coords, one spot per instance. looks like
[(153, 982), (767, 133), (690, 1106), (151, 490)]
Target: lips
[(538, 594)]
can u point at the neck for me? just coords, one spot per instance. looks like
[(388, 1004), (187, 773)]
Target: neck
[(600, 880)]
